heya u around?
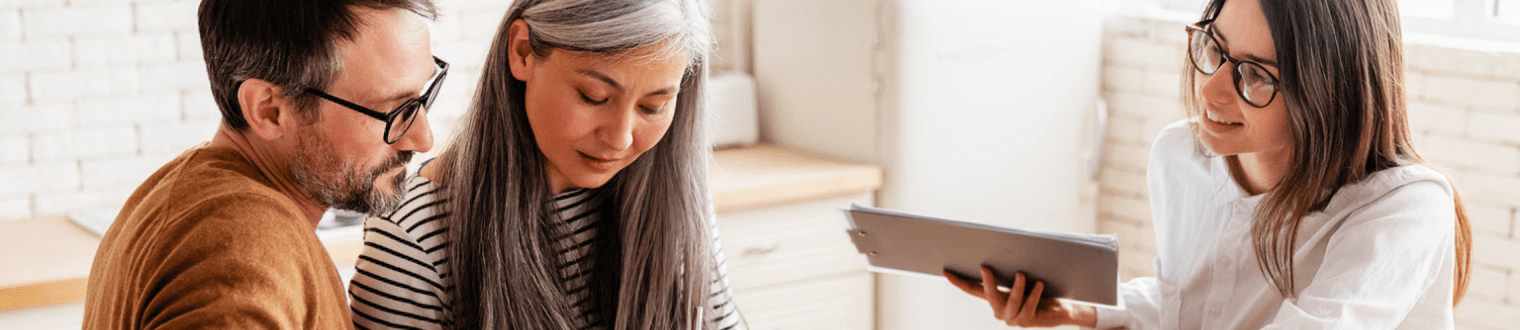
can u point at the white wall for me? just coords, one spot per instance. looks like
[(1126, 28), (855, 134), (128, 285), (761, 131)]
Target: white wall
[(972, 115), (991, 100)]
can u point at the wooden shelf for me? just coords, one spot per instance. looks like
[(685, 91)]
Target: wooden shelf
[(48, 259)]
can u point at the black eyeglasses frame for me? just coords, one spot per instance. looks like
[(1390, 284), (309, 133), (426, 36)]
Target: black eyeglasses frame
[(405, 111), (1224, 54)]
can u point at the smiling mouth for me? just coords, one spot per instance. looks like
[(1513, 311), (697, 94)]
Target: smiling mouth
[(1215, 118)]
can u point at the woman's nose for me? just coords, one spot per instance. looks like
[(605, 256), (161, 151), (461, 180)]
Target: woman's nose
[(617, 131), (1219, 88)]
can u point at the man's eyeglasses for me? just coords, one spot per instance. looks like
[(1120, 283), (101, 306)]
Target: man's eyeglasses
[(398, 121), (1254, 83)]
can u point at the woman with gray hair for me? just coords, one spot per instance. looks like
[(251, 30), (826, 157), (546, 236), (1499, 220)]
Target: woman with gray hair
[(574, 194)]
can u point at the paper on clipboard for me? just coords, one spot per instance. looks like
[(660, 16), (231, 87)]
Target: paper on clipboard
[(1076, 267)]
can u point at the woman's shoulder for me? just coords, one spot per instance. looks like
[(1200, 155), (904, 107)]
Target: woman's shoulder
[(1409, 188), (1406, 179), (1176, 155)]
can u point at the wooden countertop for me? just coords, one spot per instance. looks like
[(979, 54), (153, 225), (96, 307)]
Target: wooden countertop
[(767, 175), (48, 259)]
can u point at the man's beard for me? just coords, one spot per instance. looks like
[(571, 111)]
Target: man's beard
[(333, 181)]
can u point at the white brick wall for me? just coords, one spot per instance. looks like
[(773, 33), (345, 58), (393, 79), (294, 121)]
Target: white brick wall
[(14, 150), (1478, 92), (168, 17), (24, 119), (69, 85), (116, 50), (151, 108), (73, 21), (19, 207), (175, 137), (34, 55), (10, 26), (38, 177), (1464, 107), (14, 93), (85, 144)]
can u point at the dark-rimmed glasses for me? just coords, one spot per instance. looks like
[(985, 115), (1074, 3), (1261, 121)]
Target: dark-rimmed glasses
[(398, 121), (1254, 84)]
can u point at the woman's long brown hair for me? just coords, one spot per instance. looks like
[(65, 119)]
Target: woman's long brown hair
[(1341, 69)]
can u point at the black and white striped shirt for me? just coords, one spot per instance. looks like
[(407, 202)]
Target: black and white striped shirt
[(398, 284)]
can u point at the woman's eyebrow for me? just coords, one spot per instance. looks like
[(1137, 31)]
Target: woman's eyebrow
[(1259, 59), (602, 77), (618, 87), (1214, 28)]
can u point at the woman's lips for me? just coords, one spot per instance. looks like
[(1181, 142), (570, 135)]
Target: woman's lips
[(599, 164)]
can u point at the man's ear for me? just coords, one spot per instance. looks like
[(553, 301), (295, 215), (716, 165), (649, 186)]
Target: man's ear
[(263, 108), (519, 51)]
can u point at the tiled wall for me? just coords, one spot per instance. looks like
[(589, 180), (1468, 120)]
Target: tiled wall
[(1464, 106), (96, 95)]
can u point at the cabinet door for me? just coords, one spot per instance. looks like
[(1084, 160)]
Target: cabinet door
[(840, 302), (787, 243)]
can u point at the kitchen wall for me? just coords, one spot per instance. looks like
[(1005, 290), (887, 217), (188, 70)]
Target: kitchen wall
[(1464, 108)]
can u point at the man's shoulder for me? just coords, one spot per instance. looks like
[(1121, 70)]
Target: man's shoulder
[(218, 181), (209, 197), (207, 244)]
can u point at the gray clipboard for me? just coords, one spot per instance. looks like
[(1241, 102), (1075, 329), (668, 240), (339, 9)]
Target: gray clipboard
[(1077, 267)]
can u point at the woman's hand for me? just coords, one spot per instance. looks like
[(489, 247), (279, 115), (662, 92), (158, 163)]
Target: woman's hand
[(1018, 310)]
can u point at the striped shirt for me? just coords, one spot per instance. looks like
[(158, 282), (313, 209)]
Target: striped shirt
[(401, 278)]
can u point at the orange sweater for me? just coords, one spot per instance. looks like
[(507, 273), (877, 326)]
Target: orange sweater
[(208, 243)]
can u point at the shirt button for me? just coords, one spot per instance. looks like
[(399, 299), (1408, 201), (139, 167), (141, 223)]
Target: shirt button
[(1214, 311), (1226, 262)]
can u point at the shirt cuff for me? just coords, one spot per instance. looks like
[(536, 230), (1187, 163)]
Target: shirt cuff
[(1110, 318)]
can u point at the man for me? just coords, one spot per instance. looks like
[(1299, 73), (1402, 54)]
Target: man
[(323, 103)]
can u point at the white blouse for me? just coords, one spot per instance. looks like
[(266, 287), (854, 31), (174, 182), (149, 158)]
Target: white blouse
[(1380, 256)]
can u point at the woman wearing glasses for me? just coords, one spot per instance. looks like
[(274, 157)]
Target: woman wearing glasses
[(1293, 198), (574, 194)]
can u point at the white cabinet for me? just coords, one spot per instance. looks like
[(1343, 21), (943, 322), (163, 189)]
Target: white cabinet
[(793, 267), (789, 260)]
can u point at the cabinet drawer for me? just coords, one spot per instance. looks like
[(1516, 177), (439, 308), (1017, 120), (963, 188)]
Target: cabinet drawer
[(790, 242), (831, 303)]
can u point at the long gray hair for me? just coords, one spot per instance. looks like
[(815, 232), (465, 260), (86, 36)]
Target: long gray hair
[(656, 249)]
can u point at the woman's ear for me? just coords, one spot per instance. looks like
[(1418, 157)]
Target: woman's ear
[(262, 106), (519, 51)]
